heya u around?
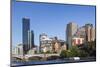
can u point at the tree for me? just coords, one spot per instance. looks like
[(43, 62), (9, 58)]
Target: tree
[(47, 52), (77, 52), (82, 53), (35, 52), (90, 48), (73, 52), (63, 54)]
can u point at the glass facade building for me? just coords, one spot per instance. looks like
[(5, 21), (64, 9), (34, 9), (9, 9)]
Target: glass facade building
[(25, 29)]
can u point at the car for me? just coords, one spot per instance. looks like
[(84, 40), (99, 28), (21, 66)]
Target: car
[(74, 58)]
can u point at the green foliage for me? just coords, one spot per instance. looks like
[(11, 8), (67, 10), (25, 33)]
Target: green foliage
[(63, 54), (90, 48), (47, 52), (82, 53), (35, 52), (41, 52), (73, 52)]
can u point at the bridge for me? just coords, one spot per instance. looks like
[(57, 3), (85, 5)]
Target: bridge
[(34, 55)]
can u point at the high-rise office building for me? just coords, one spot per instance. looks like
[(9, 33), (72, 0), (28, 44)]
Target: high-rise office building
[(90, 32), (70, 32), (81, 32), (30, 39), (25, 29), (93, 34)]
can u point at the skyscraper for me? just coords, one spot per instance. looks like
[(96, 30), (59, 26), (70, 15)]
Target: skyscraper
[(70, 32), (25, 29), (30, 39), (93, 34), (90, 32)]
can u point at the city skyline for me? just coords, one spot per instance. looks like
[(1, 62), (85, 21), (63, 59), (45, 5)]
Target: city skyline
[(46, 18)]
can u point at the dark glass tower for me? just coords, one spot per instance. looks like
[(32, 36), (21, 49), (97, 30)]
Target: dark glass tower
[(25, 29), (32, 38)]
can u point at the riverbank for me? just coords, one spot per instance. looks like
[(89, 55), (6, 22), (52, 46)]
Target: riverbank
[(57, 61)]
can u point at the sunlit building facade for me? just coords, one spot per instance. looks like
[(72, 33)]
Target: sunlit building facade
[(70, 32)]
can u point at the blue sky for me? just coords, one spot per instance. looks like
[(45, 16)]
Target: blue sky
[(48, 18)]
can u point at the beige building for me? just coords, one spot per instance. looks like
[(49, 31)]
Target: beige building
[(64, 47), (52, 45), (58, 46), (45, 43), (93, 34), (70, 31), (90, 32)]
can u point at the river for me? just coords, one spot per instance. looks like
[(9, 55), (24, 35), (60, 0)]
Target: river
[(57, 61)]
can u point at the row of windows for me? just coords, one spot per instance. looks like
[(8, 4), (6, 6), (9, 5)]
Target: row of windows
[(43, 42)]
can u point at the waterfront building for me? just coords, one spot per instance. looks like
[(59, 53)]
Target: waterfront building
[(45, 43), (52, 44), (93, 34), (63, 45), (90, 32), (81, 32), (18, 50), (76, 41), (30, 39), (86, 32), (70, 32), (25, 29), (58, 45)]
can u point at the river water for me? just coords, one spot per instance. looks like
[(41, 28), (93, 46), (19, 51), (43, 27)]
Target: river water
[(57, 61)]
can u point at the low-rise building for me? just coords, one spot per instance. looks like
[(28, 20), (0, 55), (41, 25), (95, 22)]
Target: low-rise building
[(59, 45), (45, 43), (77, 41), (52, 45), (18, 50)]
